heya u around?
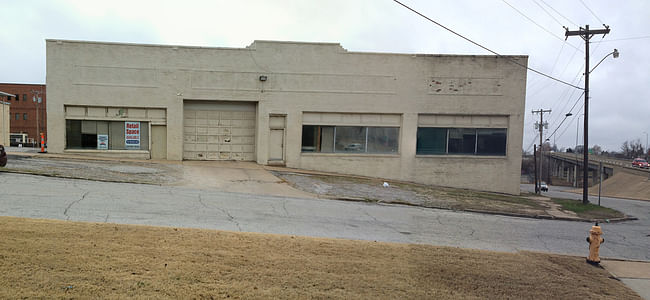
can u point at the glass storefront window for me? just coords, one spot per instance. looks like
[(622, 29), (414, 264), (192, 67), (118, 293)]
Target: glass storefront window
[(107, 135), (350, 139)]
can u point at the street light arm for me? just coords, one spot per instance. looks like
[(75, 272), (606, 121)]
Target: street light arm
[(615, 53)]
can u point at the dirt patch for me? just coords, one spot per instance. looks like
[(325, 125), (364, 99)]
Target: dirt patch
[(373, 190), (623, 185), (52, 259), (109, 170)]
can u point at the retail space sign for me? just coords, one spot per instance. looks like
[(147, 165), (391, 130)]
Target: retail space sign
[(132, 135), (102, 141)]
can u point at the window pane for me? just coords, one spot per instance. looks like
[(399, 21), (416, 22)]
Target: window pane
[(309, 135), (326, 139), (24, 116), (491, 141), (350, 139), (431, 140), (73, 134), (383, 139), (462, 141)]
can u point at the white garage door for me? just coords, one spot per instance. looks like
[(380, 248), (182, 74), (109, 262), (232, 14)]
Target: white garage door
[(218, 130)]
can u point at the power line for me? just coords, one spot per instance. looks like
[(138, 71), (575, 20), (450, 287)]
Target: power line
[(566, 128), (549, 14), (532, 143), (592, 12), (560, 125), (485, 48), (540, 26), (557, 12), (576, 82), (625, 39)]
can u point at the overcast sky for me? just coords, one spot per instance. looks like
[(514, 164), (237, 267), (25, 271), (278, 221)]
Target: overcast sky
[(619, 106)]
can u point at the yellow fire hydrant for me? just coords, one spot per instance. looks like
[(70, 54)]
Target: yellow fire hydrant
[(594, 239)]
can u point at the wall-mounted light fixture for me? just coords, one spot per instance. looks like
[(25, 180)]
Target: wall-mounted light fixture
[(263, 77)]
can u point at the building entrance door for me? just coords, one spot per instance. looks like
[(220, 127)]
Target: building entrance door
[(277, 124)]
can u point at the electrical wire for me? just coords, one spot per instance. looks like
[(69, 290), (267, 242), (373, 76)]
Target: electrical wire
[(625, 39), (548, 13), (540, 26), (566, 128), (580, 72), (561, 15), (485, 48), (532, 143), (592, 12), (570, 111), (557, 58)]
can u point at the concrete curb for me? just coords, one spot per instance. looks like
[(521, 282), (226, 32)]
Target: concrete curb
[(25, 172), (487, 212)]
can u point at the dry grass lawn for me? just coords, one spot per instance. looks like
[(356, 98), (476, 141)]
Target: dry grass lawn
[(58, 259)]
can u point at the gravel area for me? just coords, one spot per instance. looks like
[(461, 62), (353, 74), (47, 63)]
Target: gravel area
[(373, 190), (116, 171), (361, 189)]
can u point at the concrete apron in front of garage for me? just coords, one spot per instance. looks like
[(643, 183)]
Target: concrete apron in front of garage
[(228, 176), (238, 177)]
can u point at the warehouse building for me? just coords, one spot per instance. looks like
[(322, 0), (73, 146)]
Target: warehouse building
[(450, 120)]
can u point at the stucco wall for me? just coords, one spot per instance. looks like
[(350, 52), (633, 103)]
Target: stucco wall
[(303, 77)]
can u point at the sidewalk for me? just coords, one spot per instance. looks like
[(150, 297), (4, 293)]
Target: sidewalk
[(634, 274)]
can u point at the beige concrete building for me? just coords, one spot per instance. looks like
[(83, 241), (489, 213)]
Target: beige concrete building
[(4, 119), (451, 120)]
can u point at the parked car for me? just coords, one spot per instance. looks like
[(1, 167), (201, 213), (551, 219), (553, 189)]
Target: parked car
[(641, 163), (543, 187), (3, 156)]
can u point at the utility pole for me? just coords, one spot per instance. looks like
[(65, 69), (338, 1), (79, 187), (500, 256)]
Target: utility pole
[(36, 98), (535, 162), (541, 126), (586, 34)]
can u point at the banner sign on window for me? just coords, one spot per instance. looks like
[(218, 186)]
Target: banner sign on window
[(132, 135), (102, 141)]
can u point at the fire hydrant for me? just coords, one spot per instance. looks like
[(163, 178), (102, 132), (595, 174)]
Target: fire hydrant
[(594, 239)]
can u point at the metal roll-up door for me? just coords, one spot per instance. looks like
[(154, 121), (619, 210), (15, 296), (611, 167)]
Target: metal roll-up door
[(219, 130)]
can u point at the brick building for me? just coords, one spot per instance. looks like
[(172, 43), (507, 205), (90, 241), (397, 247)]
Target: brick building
[(24, 112)]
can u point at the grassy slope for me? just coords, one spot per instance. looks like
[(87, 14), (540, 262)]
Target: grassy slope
[(43, 258)]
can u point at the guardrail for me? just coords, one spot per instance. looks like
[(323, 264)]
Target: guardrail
[(615, 162)]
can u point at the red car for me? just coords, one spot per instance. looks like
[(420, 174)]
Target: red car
[(3, 156), (641, 163)]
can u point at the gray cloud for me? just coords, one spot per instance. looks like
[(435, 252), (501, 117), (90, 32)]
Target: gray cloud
[(619, 107)]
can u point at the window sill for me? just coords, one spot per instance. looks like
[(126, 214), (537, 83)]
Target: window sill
[(460, 156), (343, 154)]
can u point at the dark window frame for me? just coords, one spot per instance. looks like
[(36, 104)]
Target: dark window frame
[(427, 147), (312, 140)]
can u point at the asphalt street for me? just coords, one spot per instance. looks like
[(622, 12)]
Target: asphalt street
[(80, 200)]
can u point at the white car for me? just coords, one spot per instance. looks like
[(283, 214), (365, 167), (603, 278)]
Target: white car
[(543, 187)]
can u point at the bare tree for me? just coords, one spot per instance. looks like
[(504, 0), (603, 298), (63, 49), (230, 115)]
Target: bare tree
[(632, 149)]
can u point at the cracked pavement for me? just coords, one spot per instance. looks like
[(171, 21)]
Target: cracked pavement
[(80, 200)]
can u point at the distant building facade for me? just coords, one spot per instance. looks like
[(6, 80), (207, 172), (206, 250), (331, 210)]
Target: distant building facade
[(4, 119), (27, 117), (449, 120)]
